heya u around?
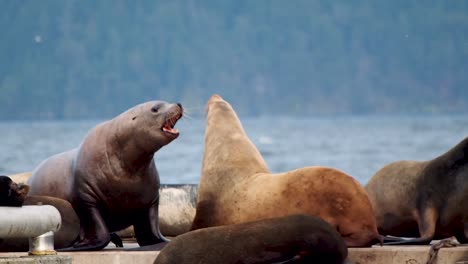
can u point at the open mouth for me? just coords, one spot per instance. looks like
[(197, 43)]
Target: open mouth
[(168, 126)]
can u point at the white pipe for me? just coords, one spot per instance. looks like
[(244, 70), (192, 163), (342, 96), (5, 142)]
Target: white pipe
[(28, 221)]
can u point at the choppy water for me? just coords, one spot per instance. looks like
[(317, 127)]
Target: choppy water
[(357, 145)]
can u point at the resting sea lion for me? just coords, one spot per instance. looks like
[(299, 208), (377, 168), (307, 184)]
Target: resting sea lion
[(236, 185), (294, 238), (11, 193), (111, 178), (428, 199)]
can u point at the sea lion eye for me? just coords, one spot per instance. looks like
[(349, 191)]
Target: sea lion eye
[(155, 109)]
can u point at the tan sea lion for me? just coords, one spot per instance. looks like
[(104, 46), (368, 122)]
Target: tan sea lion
[(288, 239), (424, 199), (111, 178), (236, 185)]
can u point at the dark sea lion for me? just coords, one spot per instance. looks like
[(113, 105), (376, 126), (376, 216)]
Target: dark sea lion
[(291, 239), (427, 200), (12, 193), (111, 178), (236, 185)]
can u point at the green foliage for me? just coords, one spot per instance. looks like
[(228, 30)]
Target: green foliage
[(82, 59)]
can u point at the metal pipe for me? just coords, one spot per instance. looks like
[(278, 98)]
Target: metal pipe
[(42, 245), (36, 222), (28, 221)]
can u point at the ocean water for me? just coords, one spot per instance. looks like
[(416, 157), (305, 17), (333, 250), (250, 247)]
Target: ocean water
[(357, 145)]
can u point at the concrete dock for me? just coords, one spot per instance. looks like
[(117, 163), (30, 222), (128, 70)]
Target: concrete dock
[(374, 255)]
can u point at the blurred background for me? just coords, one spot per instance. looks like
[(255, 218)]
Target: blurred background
[(379, 71)]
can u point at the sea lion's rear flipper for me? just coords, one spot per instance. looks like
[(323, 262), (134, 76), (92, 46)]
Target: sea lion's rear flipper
[(427, 220), (406, 241), (116, 240)]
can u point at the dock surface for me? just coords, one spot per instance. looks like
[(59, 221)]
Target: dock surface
[(374, 255)]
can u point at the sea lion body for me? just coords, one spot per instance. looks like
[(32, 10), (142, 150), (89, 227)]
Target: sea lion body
[(294, 239), (111, 178), (236, 185), (425, 199)]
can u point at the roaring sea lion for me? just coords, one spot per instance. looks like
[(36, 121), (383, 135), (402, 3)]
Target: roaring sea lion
[(294, 238), (236, 185), (426, 200), (111, 178)]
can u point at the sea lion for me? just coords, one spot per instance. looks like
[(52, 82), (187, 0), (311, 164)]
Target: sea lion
[(111, 179), (236, 185), (11, 193), (423, 199), (288, 239)]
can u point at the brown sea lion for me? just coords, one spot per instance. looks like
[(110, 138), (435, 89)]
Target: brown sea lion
[(111, 178), (427, 199), (236, 185), (291, 239)]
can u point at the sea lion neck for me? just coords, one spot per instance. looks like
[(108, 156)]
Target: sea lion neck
[(224, 131), (455, 158), (133, 155)]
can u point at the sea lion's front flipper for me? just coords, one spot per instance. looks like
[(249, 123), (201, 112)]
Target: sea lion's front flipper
[(94, 230), (147, 228)]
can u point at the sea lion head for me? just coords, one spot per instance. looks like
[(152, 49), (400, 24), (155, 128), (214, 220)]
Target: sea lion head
[(154, 121), (11, 193)]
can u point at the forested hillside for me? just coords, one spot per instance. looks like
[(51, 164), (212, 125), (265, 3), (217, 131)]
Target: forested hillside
[(93, 59)]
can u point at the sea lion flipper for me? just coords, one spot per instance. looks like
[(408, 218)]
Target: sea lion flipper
[(94, 230), (427, 220), (116, 240), (147, 230)]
